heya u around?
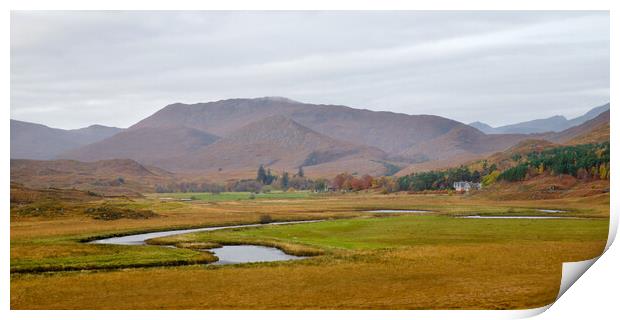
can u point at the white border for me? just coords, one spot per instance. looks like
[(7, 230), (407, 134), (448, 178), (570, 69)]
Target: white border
[(598, 292)]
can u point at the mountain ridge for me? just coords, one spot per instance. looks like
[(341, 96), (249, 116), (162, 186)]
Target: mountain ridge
[(277, 142), (360, 126), (37, 141), (234, 136), (149, 145), (555, 123)]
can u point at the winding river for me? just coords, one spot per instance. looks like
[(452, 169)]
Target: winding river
[(253, 253), (226, 254)]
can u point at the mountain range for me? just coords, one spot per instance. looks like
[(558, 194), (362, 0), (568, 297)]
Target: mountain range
[(231, 138), (555, 123), (36, 141), (595, 130)]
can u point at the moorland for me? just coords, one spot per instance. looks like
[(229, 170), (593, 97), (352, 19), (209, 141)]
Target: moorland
[(358, 259), (537, 199)]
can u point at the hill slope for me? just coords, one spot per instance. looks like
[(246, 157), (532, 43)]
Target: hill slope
[(391, 132), (277, 142), (586, 128), (331, 134), (110, 177), (592, 131), (599, 134), (148, 145), (36, 141), (461, 141), (555, 123)]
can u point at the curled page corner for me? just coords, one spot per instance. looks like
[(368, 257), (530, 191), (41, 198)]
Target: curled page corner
[(528, 313), (571, 271)]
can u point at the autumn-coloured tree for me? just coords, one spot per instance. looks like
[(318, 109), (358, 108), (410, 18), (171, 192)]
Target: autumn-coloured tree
[(338, 182), (603, 172), (367, 182)]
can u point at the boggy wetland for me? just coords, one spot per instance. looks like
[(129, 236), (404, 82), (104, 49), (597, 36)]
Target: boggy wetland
[(352, 258)]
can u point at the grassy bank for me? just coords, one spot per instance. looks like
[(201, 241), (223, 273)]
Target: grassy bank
[(407, 231), (371, 261), (369, 264), (65, 254)]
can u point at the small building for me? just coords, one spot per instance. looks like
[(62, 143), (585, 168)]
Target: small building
[(465, 186)]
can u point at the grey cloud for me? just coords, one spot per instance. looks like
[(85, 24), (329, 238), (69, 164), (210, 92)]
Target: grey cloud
[(71, 69)]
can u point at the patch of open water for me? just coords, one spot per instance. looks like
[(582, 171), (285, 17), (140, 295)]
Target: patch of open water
[(139, 239), (250, 253), (225, 254)]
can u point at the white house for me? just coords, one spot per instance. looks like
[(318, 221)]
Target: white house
[(466, 186)]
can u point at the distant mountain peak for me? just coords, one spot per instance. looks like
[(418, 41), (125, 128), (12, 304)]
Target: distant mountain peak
[(481, 126), (99, 127), (277, 129), (478, 123), (36, 141), (277, 99), (556, 117), (555, 123)]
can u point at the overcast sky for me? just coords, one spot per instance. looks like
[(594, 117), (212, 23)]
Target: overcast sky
[(73, 69)]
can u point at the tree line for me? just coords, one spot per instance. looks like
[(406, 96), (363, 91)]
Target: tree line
[(438, 179), (588, 161), (265, 181)]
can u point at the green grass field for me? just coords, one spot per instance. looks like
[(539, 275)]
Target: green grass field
[(409, 231), (360, 260), (62, 254)]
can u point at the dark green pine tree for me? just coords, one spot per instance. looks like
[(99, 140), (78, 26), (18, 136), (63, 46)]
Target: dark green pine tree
[(300, 172), (270, 177), (284, 180), (261, 176)]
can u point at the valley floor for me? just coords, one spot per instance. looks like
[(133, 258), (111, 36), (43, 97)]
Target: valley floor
[(433, 260)]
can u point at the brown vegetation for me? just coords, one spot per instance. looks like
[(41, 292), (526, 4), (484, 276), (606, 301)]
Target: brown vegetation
[(583, 129), (114, 213), (420, 276), (106, 177)]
